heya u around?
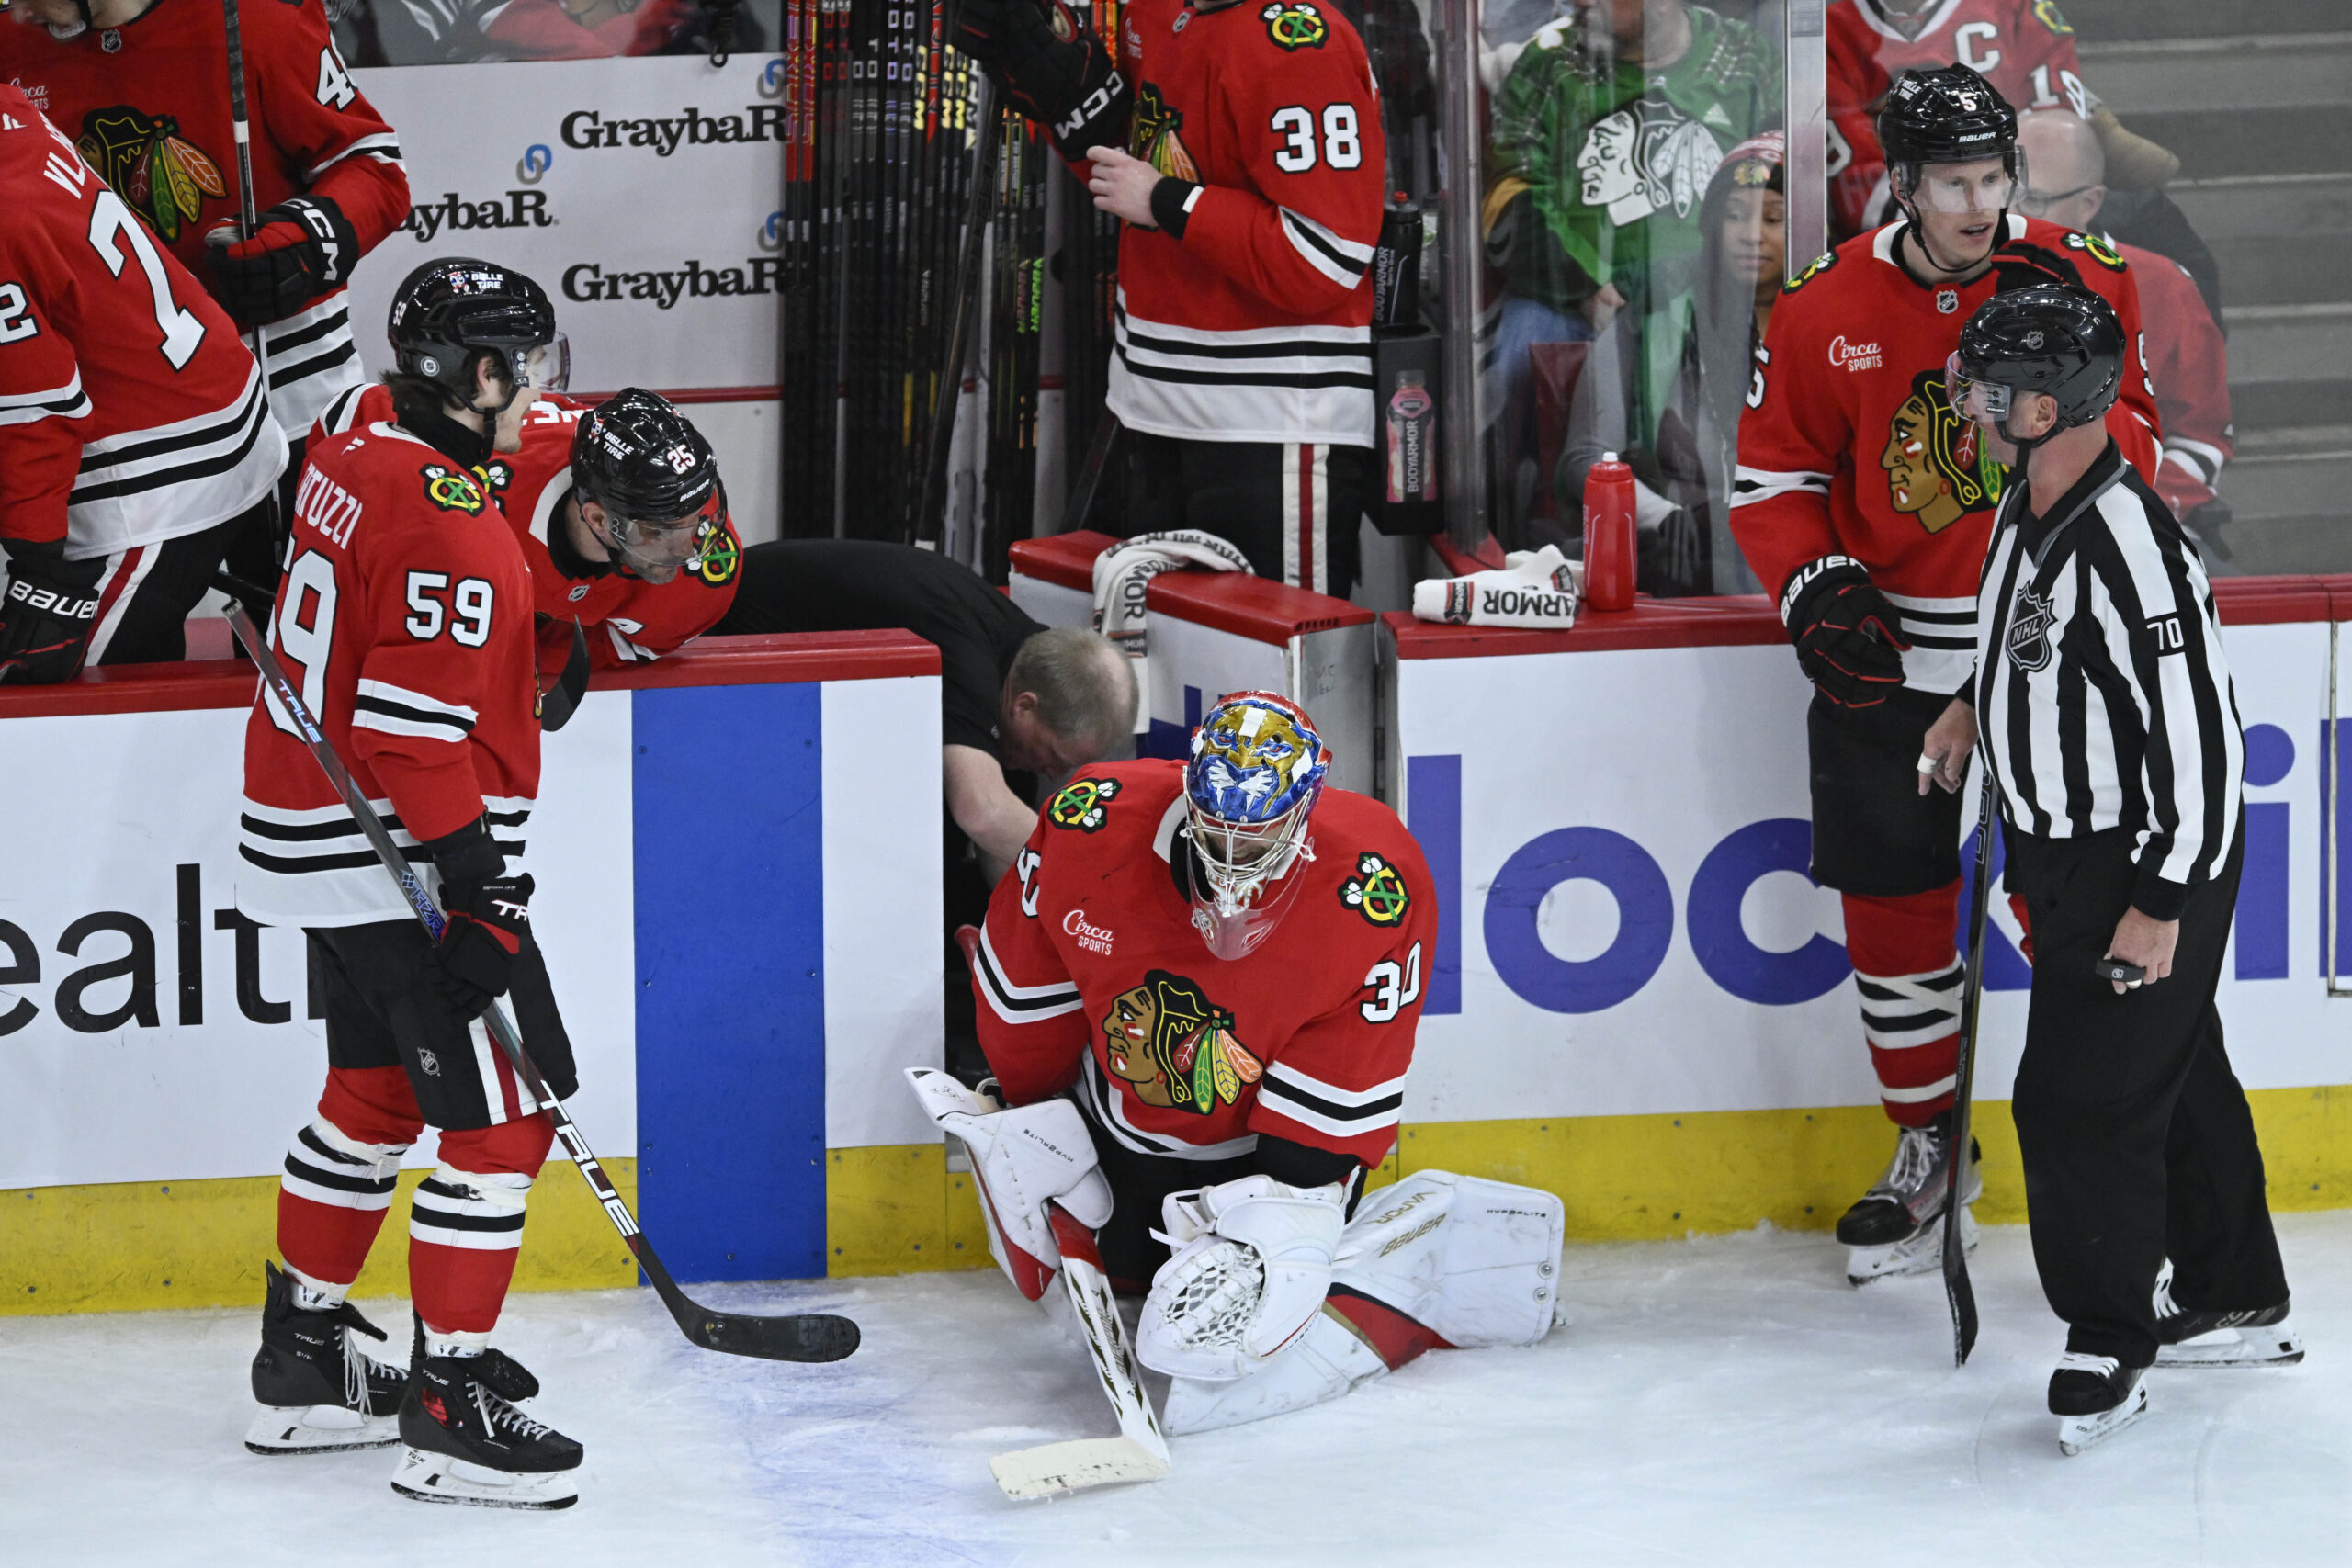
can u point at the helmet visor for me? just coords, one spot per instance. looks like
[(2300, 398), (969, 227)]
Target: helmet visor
[(546, 367), (1962, 189), (1972, 398), (657, 549)]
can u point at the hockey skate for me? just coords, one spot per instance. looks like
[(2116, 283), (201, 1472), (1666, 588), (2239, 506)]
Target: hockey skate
[(467, 1443), (2094, 1397), (2247, 1338), (319, 1393), (1897, 1227)]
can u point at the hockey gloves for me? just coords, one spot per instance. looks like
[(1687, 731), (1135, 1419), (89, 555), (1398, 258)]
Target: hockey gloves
[(1051, 69), (304, 248), (47, 614), (1844, 632), (489, 919)]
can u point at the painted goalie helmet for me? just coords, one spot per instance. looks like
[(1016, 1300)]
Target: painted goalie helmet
[(1256, 771)]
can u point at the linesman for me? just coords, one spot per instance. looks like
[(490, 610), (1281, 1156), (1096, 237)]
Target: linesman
[(2104, 703)]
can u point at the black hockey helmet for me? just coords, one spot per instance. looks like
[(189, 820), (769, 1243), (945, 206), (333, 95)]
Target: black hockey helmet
[(2055, 338), (449, 310), (1945, 114), (637, 457)]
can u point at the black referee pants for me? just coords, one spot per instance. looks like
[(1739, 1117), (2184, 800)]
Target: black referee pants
[(2137, 1139)]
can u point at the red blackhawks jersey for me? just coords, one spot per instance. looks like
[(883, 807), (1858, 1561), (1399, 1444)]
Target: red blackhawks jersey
[(2023, 47), (1850, 448), (2190, 363), (148, 103), (1257, 324), (130, 413), (1089, 972), (627, 619), (405, 616)]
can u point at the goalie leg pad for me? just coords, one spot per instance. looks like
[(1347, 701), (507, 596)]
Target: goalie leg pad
[(1022, 1159), (1473, 1262), (1321, 1364)]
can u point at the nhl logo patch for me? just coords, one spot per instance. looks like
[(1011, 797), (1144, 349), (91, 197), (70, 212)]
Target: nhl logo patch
[(1947, 300), (578, 591), (2028, 644)]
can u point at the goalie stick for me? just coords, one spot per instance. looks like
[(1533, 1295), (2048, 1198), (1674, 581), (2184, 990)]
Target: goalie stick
[(1139, 1452), (812, 1336), (1958, 1293)]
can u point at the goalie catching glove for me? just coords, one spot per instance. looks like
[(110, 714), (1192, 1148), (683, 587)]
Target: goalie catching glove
[(1253, 1265), (1022, 1159), (1051, 68), (1844, 632)]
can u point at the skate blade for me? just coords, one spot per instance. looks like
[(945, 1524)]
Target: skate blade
[(1075, 1467), (2235, 1347), (1921, 1252), (317, 1430), (2076, 1433), (437, 1478)]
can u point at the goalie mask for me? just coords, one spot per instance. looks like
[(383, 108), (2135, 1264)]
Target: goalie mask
[(1256, 769)]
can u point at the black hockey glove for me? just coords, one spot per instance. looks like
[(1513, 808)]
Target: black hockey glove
[(1844, 632), (1051, 68), (489, 915), (46, 615), (304, 247)]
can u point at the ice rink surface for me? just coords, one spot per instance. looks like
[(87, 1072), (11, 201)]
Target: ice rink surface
[(1724, 1400)]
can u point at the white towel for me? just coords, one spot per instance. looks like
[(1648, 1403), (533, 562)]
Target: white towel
[(1537, 589), (1123, 573)]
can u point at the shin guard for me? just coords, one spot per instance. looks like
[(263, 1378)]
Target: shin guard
[(466, 1225), (339, 1175), (1909, 975)]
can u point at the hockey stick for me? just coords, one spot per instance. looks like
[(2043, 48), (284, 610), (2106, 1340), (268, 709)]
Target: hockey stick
[(1090, 478), (249, 224), (1139, 1452), (970, 244), (812, 1336), (1958, 1292)]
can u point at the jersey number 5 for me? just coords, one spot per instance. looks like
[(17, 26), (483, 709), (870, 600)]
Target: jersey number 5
[(1393, 990), (1342, 147)]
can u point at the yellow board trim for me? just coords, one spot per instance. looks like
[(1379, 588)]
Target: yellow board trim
[(898, 1209)]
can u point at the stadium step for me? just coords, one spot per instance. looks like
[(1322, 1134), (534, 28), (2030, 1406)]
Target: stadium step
[(2105, 21)]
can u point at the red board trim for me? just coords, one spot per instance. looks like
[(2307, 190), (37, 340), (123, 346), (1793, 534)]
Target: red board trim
[(1254, 607), (1066, 561), (713, 662)]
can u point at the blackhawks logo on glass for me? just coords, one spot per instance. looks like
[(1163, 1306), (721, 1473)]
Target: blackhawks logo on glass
[(163, 175), (1081, 805), (1376, 891), (1174, 1047)]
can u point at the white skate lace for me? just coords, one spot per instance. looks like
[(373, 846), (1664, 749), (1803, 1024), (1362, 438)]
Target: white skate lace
[(2078, 1361), (496, 1413), (357, 1365), (1915, 1161)]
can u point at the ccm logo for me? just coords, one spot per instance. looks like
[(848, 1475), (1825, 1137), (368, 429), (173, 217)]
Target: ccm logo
[(75, 608), (1854, 355), (1094, 938)]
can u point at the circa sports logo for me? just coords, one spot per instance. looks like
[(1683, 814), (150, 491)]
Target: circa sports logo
[(518, 210), (587, 282), (1855, 356), (589, 131), (1094, 939)]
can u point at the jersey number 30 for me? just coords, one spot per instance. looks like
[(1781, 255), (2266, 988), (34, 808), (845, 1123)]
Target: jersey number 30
[(1393, 990)]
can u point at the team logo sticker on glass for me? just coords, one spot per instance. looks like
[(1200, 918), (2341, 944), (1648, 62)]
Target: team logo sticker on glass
[(1083, 805)]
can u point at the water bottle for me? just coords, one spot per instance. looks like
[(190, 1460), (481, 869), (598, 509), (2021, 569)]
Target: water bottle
[(1412, 435), (1608, 534)]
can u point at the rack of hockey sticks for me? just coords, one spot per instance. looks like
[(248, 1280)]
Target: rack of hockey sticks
[(810, 1336)]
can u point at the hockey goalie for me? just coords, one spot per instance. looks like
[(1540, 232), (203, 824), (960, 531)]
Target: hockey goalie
[(1198, 991)]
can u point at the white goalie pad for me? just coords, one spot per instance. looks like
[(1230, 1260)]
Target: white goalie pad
[(1022, 1159), (1251, 1266), (1476, 1262)]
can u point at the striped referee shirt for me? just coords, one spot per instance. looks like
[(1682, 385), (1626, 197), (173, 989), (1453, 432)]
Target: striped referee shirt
[(2103, 699)]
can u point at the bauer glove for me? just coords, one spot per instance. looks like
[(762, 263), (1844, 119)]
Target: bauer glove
[(489, 919), (47, 612), (303, 248), (1051, 69), (1844, 632)]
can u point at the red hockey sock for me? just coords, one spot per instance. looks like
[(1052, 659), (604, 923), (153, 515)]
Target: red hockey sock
[(339, 1170), (466, 1224), (1393, 1337), (1909, 975)]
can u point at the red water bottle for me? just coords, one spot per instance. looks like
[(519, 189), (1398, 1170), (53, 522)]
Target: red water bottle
[(1608, 534)]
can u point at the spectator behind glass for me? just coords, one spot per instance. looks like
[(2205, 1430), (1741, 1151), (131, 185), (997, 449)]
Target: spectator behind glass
[(2187, 358), (1606, 132), (449, 32), (1663, 389)]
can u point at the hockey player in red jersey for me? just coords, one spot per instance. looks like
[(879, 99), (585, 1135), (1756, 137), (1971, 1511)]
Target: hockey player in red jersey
[(621, 514), (1866, 504), (406, 617), (1219, 963), (1250, 184), (132, 436)]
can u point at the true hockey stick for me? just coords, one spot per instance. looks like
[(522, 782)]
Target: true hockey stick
[(1089, 479), (1958, 1292), (248, 224), (812, 1336), (1139, 1452)]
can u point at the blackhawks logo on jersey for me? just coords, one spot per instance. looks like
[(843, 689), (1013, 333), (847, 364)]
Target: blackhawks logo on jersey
[(721, 557), (452, 490), (1151, 135), (2046, 11), (164, 177), (1174, 1047), (1294, 25), (1376, 891), (1083, 805), (2099, 250), (1813, 269), (1936, 470)]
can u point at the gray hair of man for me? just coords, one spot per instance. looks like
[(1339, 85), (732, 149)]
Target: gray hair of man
[(1085, 687)]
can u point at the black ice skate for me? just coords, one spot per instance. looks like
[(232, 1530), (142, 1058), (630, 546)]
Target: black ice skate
[(2251, 1338), (2094, 1397), (1897, 1227), (319, 1393), (468, 1444)]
